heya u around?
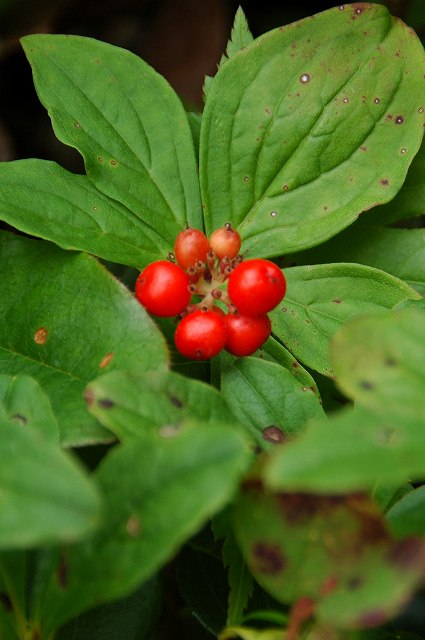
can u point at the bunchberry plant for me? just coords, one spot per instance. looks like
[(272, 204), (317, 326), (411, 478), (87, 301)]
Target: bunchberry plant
[(235, 423)]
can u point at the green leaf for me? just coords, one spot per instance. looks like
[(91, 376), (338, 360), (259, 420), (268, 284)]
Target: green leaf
[(175, 485), (275, 351), (247, 633), (42, 199), (407, 516), (334, 550), (241, 36), (379, 362), (45, 496), (349, 452), (409, 201), (133, 405), (399, 252), (128, 124), (298, 137), (267, 398), (65, 319), (321, 298), (23, 402), (131, 618)]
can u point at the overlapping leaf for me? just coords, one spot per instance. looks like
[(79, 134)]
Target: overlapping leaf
[(65, 319), (298, 137), (321, 298)]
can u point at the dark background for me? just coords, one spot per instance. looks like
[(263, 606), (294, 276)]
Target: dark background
[(182, 39)]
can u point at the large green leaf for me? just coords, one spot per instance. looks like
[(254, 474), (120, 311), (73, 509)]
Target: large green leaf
[(127, 123), (321, 298), (407, 516), (65, 319), (41, 198), (45, 497), (266, 397), (310, 125), (333, 550), (131, 405), (175, 485), (379, 362), (400, 252)]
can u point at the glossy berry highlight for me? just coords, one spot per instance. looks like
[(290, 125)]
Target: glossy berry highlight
[(225, 242), (200, 335), (256, 287), (163, 289)]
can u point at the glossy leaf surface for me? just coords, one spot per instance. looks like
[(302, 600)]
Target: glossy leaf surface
[(298, 137), (65, 319)]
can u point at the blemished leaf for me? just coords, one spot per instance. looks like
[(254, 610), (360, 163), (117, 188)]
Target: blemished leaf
[(407, 516), (66, 319), (379, 362), (321, 298), (127, 123), (42, 199), (400, 252), (334, 550), (298, 137), (176, 484), (276, 352), (266, 397), (23, 402), (409, 201), (46, 497), (132, 405), (349, 452)]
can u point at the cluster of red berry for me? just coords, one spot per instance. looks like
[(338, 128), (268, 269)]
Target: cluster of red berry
[(214, 273)]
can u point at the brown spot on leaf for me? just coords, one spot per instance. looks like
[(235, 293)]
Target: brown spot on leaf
[(40, 336), (295, 364), (62, 572), (366, 385), (106, 403), (89, 397), (6, 602), (399, 120), (337, 300), (106, 360), (268, 558), (175, 401), (274, 434), (408, 554), (132, 526), (384, 182)]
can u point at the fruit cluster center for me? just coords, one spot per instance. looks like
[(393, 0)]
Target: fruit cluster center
[(221, 300)]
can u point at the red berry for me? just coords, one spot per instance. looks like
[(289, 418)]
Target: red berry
[(191, 246), (163, 289), (200, 335), (246, 334), (225, 242), (256, 287)]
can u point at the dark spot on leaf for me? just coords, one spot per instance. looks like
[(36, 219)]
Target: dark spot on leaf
[(267, 110), (20, 419), (105, 403), (62, 572), (114, 163), (390, 362), (268, 558), (175, 401), (367, 385), (399, 120), (295, 364), (384, 182), (363, 148), (6, 602), (337, 300), (284, 309), (355, 583), (408, 554), (389, 116), (100, 159), (106, 360), (274, 434)]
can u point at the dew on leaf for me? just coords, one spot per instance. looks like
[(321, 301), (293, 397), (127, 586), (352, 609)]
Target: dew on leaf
[(77, 125), (359, 10), (268, 558), (341, 7), (304, 78), (171, 257), (106, 360), (284, 309), (421, 110), (403, 151), (100, 159), (40, 335), (273, 214), (399, 120), (376, 101), (114, 163), (246, 178), (273, 434), (285, 187), (345, 100)]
